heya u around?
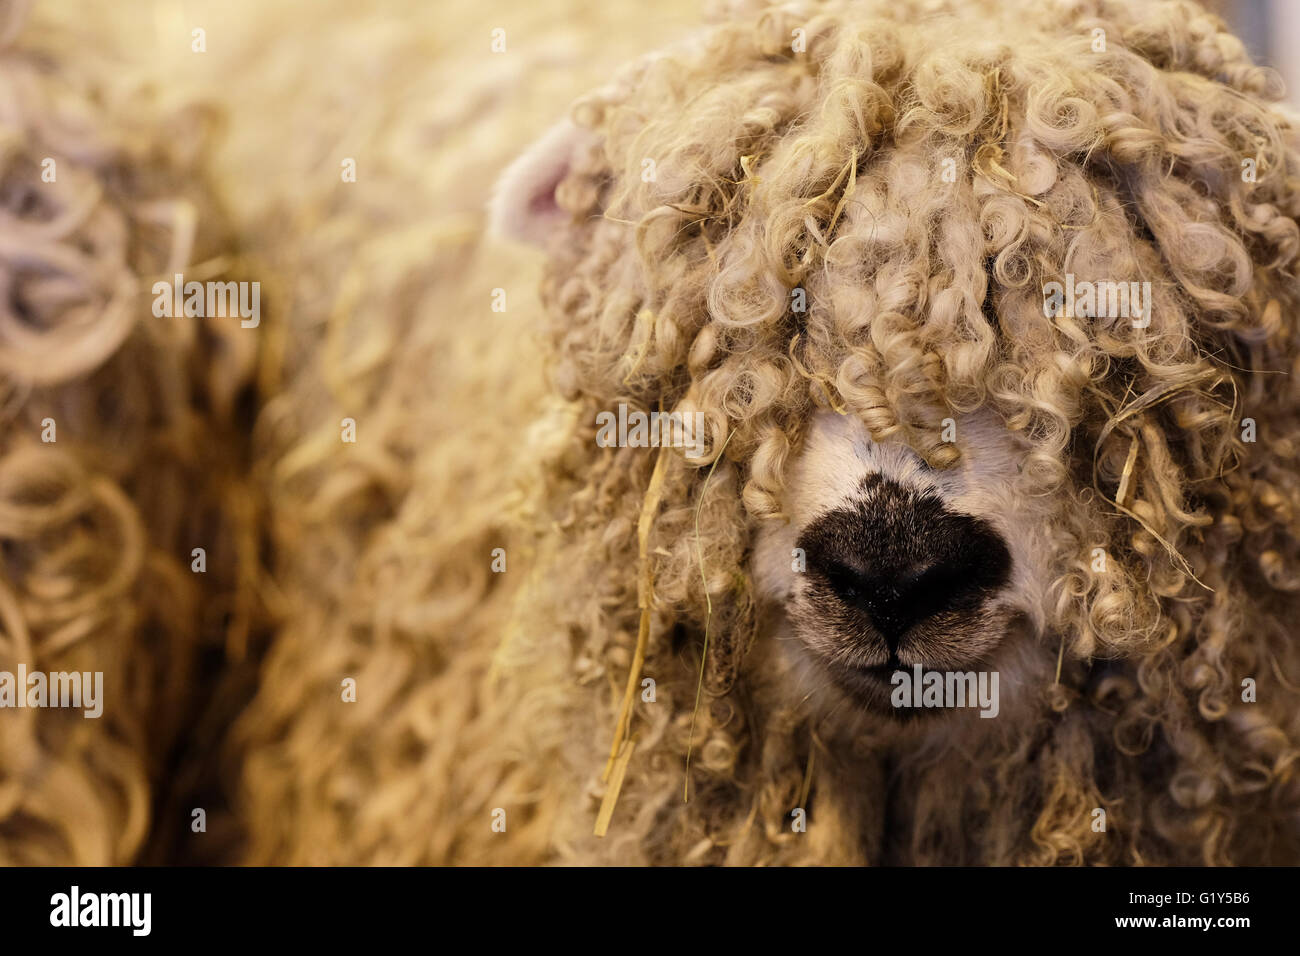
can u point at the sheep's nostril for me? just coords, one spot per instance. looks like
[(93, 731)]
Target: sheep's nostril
[(897, 598), (901, 558)]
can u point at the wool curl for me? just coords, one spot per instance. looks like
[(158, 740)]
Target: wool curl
[(823, 171), (117, 455)]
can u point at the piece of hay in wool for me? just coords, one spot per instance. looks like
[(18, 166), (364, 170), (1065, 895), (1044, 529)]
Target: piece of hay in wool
[(653, 496)]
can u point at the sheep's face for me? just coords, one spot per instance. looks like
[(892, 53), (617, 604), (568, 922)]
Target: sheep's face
[(882, 563), (887, 565)]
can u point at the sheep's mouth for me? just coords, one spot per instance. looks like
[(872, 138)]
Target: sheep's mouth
[(872, 687), (879, 672), (846, 649), (898, 690)]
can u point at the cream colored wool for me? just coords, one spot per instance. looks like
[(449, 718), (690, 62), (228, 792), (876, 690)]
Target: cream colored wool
[(479, 692), (824, 171)]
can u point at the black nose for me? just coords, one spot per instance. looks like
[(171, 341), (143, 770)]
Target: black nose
[(900, 557)]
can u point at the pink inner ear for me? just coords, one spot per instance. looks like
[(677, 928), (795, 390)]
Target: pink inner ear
[(523, 205), (542, 203)]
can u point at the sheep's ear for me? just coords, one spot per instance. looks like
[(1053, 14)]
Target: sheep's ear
[(523, 205)]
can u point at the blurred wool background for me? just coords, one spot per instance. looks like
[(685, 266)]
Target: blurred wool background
[(376, 305)]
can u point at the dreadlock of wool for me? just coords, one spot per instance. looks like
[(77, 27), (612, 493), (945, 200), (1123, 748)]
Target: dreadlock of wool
[(115, 455)]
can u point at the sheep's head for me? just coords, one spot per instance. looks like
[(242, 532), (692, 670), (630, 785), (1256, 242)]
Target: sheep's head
[(987, 314)]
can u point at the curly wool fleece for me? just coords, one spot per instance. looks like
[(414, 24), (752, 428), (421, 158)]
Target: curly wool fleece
[(921, 171), (823, 169)]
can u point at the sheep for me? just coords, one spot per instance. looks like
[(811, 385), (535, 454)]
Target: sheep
[(841, 260)]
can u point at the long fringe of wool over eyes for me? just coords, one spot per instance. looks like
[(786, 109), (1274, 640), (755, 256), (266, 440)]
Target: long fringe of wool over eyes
[(821, 170)]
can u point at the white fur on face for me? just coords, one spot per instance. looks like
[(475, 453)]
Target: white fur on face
[(827, 475)]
